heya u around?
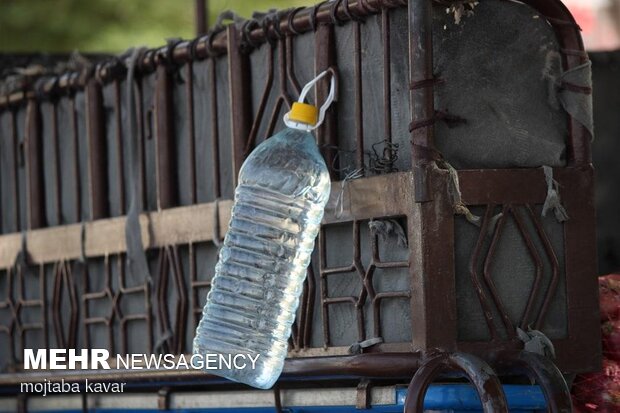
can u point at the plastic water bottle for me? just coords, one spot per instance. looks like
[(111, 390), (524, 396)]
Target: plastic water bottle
[(283, 187)]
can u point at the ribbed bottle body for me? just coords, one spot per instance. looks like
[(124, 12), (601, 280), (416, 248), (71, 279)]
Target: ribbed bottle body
[(279, 203)]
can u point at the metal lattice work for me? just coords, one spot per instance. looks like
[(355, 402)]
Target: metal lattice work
[(364, 275)]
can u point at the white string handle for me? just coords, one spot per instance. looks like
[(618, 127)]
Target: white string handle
[(302, 96)]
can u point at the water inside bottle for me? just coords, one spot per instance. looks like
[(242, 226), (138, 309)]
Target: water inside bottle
[(283, 187)]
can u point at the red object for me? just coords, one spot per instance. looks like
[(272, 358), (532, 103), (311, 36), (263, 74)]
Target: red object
[(599, 392), (609, 295), (611, 280), (611, 340)]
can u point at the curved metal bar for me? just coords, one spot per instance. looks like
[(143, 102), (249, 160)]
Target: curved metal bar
[(478, 372), (543, 371)]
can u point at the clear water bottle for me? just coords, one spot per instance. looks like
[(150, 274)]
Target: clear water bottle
[(283, 187)]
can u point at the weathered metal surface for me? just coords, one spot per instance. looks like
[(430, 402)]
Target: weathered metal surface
[(181, 225)]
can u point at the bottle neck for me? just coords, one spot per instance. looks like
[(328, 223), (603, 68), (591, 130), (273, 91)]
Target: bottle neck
[(299, 125)]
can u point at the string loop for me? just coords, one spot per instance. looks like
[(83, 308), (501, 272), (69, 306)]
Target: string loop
[(302, 96)]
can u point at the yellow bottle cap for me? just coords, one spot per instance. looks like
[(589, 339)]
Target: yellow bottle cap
[(304, 113)]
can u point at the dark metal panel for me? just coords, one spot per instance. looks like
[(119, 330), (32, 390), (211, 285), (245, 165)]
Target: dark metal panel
[(206, 121)]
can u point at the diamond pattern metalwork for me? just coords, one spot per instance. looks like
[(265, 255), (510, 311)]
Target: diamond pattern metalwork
[(533, 316)]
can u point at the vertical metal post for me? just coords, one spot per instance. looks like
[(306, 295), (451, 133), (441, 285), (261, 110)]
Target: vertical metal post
[(421, 100), (325, 58), (165, 145), (240, 97), (34, 167), (118, 142), (75, 135), (15, 174), (97, 151), (431, 233), (56, 162)]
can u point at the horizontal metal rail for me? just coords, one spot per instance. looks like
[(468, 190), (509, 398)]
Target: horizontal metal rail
[(182, 225), (193, 224), (215, 43)]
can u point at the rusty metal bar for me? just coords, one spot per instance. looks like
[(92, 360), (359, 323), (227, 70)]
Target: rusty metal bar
[(56, 162), (475, 278), (15, 172), (75, 134), (106, 293), (543, 371), (215, 131), (433, 310), (142, 127), (538, 263), (260, 111), (577, 193), (387, 72), (23, 301), (34, 167), (479, 373), (421, 100), (120, 165), (97, 152), (191, 129), (555, 268), (146, 317), (240, 98), (303, 21), (165, 146), (324, 59), (377, 298), (359, 105)]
